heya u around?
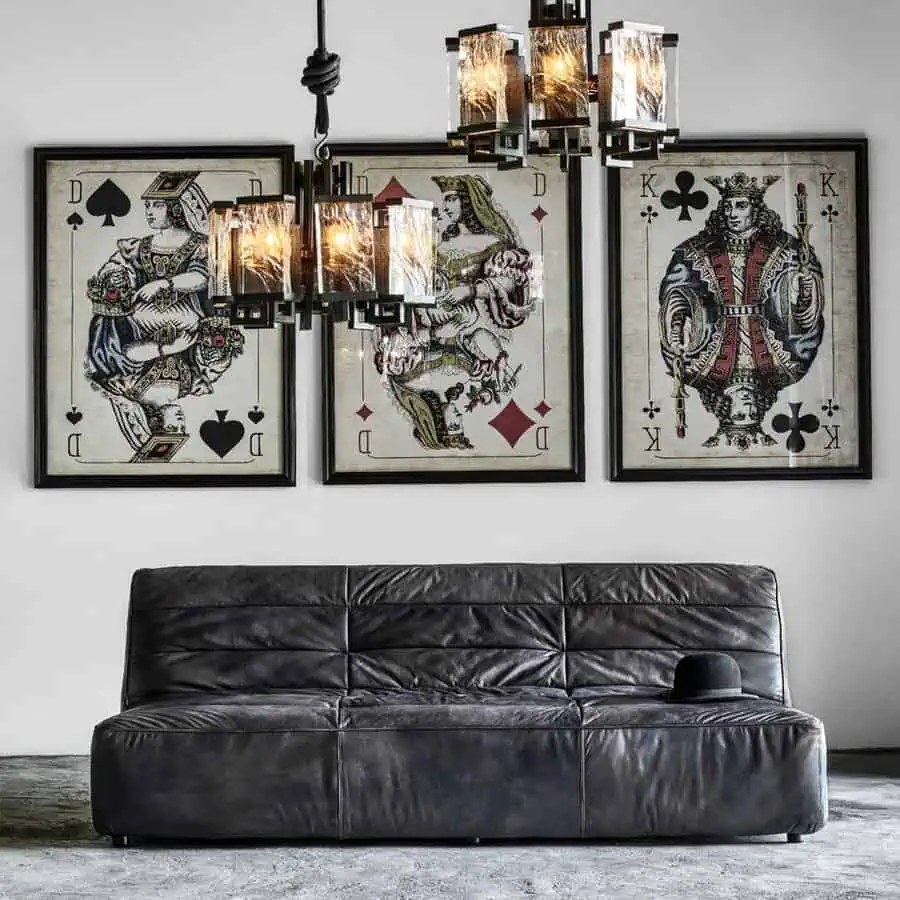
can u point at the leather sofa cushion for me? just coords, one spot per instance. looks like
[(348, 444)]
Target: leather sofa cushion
[(184, 587), (160, 676), (507, 708), (654, 669), (309, 710), (456, 626), (661, 769), (652, 712), (526, 584), (224, 767), (235, 628), (631, 623), (454, 667)]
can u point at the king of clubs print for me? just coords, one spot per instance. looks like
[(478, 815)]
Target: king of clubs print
[(484, 384), (739, 315), (141, 381)]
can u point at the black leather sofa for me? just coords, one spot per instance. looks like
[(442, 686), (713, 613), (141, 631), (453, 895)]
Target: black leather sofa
[(451, 702)]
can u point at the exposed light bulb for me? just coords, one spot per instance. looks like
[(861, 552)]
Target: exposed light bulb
[(340, 238), (560, 67)]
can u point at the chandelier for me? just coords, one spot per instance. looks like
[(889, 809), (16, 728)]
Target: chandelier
[(279, 259), (367, 261), (500, 113)]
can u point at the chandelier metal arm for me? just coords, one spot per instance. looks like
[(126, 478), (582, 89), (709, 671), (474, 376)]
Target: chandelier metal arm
[(321, 76)]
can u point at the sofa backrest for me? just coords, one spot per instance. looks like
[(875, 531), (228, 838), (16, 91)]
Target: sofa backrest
[(448, 626), (235, 628), (628, 625), (611, 626)]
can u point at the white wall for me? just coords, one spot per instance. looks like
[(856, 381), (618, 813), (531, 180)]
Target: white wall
[(100, 71)]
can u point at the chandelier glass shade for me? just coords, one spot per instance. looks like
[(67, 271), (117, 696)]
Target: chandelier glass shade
[(500, 111), (487, 67), (345, 248)]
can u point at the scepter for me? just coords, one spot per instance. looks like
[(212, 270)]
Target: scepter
[(803, 252), (679, 394)]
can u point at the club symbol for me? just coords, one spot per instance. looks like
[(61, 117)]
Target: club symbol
[(685, 197), (651, 410), (830, 213), (649, 214), (830, 408), (794, 426)]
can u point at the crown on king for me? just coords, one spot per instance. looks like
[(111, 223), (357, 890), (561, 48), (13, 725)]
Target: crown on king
[(743, 185)]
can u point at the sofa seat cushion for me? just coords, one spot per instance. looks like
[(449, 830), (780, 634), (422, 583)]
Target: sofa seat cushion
[(742, 767), (464, 763), (650, 710), (220, 766), (520, 707), (305, 710)]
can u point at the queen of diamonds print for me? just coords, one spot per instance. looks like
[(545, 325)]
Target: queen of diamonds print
[(454, 357), (482, 380), (738, 314)]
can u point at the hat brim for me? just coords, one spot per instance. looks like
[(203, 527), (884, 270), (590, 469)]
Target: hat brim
[(669, 697)]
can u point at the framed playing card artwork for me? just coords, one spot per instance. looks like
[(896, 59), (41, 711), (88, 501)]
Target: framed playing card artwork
[(739, 314), (137, 381), (484, 384)]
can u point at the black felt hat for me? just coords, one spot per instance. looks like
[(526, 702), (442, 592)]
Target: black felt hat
[(707, 677)]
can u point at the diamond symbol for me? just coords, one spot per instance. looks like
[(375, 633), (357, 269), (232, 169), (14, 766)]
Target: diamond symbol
[(540, 214), (364, 412), (511, 423), (542, 408)]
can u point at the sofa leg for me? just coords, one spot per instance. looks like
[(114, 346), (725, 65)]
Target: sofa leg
[(120, 840), (794, 838)]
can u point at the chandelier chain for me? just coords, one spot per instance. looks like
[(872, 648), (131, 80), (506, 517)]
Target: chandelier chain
[(321, 77)]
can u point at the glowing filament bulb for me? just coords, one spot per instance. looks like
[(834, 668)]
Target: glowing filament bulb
[(340, 238), (481, 82), (560, 67)]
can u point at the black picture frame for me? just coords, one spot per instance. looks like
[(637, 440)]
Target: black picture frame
[(44, 156), (575, 471), (861, 468)]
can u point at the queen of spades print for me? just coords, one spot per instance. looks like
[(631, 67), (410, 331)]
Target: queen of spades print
[(152, 340)]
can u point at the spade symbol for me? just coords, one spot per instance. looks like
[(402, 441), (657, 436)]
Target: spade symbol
[(75, 220), (256, 415), (109, 200), (74, 416), (220, 436)]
